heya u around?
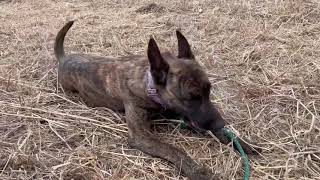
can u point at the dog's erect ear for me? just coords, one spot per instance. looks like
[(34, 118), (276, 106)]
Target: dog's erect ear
[(184, 50), (158, 66)]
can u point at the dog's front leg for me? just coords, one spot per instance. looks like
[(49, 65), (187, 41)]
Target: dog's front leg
[(141, 138)]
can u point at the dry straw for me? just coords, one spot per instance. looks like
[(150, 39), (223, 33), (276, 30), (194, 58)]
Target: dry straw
[(262, 57)]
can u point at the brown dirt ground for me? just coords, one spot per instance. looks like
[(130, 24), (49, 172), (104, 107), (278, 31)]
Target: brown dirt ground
[(262, 58)]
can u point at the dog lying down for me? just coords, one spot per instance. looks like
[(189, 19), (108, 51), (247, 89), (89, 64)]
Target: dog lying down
[(143, 85)]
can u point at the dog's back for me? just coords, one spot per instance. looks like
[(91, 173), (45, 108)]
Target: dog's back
[(97, 79)]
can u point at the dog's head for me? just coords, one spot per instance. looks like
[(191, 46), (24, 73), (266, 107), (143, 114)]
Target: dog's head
[(183, 85)]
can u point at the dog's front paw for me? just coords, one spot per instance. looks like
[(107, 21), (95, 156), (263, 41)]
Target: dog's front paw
[(132, 143), (203, 174), (204, 177)]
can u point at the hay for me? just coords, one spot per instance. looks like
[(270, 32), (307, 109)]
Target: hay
[(262, 58)]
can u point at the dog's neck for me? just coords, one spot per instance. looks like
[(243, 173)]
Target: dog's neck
[(152, 92)]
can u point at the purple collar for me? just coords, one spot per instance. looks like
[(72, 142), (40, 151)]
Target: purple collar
[(152, 91)]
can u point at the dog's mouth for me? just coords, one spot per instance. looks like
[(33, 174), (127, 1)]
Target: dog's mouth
[(194, 125)]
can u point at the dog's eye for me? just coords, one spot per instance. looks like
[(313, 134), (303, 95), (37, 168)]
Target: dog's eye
[(195, 99), (192, 98)]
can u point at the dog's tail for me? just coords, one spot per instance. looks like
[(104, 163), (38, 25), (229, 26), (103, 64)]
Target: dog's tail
[(58, 45)]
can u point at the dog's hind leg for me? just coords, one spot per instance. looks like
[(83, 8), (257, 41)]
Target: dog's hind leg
[(141, 138)]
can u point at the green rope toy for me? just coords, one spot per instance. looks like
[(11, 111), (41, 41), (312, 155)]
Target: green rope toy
[(234, 139)]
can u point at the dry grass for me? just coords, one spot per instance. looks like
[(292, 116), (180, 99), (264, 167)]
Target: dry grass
[(263, 58)]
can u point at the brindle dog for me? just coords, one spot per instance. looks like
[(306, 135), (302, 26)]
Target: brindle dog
[(140, 85)]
